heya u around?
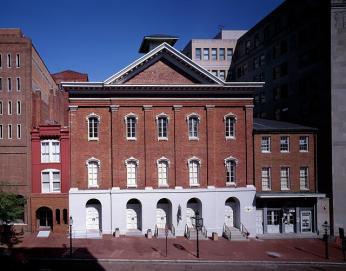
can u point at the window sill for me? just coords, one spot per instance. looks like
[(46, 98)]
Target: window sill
[(194, 138), (304, 189), (265, 151), (93, 186), (162, 139), (231, 184), (132, 186), (303, 151), (266, 189), (163, 186), (284, 151), (93, 139), (285, 189), (131, 138), (53, 192), (194, 185), (230, 137), (50, 162)]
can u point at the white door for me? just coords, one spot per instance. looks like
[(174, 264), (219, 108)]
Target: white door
[(229, 221), (189, 214), (92, 217), (131, 219), (288, 221), (259, 221), (161, 218), (273, 221), (305, 218)]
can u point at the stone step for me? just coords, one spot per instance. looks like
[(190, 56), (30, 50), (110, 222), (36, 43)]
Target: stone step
[(193, 235), (137, 233)]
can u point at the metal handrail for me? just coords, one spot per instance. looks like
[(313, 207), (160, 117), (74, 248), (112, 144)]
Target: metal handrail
[(226, 231), (244, 231), (187, 231), (204, 231), (156, 232), (173, 229)]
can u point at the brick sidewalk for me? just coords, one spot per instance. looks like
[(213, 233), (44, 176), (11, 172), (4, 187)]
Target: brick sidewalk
[(140, 248)]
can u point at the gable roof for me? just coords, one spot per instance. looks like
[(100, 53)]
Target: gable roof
[(177, 58)]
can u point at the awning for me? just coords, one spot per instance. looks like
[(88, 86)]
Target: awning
[(289, 195)]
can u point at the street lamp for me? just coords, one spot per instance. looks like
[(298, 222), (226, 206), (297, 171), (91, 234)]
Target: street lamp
[(70, 224), (198, 225), (325, 238)]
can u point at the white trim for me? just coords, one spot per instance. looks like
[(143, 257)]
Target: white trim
[(87, 163), (193, 114), (292, 195), (93, 159), (126, 117), (161, 99), (50, 151), (230, 114), (132, 159), (230, 158), (130, 115), (163, 159), (161, 115), (50, 172), (192, 159), (93, 115)]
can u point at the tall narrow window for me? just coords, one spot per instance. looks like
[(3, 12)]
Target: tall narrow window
[(222, 53), (93, 166), (194, 167), (303, 178), (0, 61), (284, 144), (19, 108), (222, 75), (57, 216), (17, 60), (198, 53), (1, 132), (50, 151), (8, 60), (193, 125), (0, 83), (131, 172), (9, 84), (230, 171), (162, 122), (93, 127), (131, 123), (285, 178), (1, 108), (213, 53), (303, 143), (229, 54), (18, 84), (64, 216), (50, 180), (9, 108), (266, 178), (19, 131), (9, 131), (265, 144), (229, 126), (162, 170), (206, 54)]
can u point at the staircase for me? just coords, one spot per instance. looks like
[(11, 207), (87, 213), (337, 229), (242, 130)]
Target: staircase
[(161, 232), (233, 234), (191, 233), (134, 232)]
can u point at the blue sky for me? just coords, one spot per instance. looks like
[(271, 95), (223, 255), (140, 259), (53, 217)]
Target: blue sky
[(101, 37)]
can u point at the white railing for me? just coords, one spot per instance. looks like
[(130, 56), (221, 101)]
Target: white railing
[(156, 232), (244, 231), (187, 231), (172, 229), (226, 232), (204, 232)]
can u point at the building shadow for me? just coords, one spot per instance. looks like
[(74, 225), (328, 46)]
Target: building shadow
[(9, 236)]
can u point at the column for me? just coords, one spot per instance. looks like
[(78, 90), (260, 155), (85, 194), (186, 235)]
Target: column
[(114, 142), (249, 144), (72, 120), (177, 153), (210, 144), (147, 121)]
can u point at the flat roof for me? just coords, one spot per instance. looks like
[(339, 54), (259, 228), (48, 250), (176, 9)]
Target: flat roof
[(266, 125)]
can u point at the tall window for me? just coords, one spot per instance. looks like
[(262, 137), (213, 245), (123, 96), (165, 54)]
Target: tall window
[(198, 53), (194, 167), (19, 131), (19, 108), (50, 180), (131, 170), (131, 122), (222, 75), (9, 108), (0, 83), (230, 171), (206, 54), (266, 178), (93, 127), (93, 170), (18, 84), (162, 169), (1, 132), (9, 60), (50, 151), (229, 54), (17, 60), (193, 123), (162, 125), (1, 108), (229, 126), (303, 178), (285, 178), (0, 61), (213, 53), (284, 144), (222, 53), (9, 84), (265, 144), (9, 131), (303, 143)]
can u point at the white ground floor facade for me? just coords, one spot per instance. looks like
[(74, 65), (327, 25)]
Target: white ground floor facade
[(142, 210)]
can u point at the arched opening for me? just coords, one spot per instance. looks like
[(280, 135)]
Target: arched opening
[(192, 206), (163, 213), (134, 215), (232, 213), (93, 215), (44, 217)]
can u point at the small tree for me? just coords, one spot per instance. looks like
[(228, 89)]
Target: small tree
[(11, 207)]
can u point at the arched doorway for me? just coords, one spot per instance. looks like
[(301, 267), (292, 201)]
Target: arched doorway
[(44, 217), (232, 217), (134, 215), (192, 206), (93, 215), (163, 213)]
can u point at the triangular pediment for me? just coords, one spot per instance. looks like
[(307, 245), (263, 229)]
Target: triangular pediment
[(163, 65)]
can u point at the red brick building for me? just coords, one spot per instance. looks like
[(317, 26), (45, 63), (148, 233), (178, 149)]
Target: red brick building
[(158, 141), (50, 178), (70, 76), (285, 178), (29, 97)]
